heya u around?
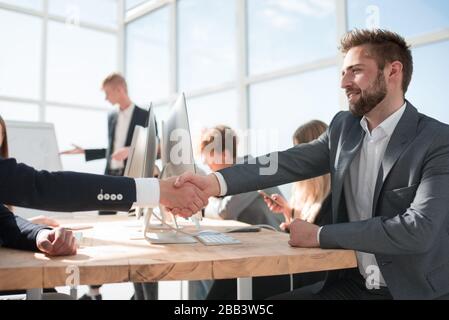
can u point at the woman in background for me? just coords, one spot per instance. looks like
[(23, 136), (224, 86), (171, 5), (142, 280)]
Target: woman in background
[(310, 201)]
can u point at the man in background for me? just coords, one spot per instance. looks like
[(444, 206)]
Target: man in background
[(121, 127)]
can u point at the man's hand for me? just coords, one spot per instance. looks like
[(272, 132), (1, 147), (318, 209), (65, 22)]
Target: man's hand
[(121, 154), (209, 185), (56, 242), (75, 150), (303, 234), (185, 200)]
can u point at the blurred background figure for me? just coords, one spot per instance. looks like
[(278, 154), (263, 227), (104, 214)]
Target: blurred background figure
[(219, 150), (307, 196)]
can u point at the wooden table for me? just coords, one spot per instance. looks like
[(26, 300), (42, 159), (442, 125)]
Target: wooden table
[(107, 254)]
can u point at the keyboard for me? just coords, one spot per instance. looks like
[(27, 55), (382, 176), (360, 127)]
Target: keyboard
[(215, 238)]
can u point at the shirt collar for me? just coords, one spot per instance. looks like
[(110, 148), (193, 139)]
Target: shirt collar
[(386, 128), (128, 111)]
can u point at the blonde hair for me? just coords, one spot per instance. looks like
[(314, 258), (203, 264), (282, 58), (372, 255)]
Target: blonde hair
[(308, 195), (116, 80)]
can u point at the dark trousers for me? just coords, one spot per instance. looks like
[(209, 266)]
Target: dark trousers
[(145, 291), (17, 292), (263, 287), (350, 287)]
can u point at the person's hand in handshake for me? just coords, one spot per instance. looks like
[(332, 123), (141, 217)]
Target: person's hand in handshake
[(208, 185), (185, 199)]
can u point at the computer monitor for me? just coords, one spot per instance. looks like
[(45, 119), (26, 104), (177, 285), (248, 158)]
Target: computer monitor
[(177, 158), (177, 151), (142, 154), (136, 158), (152, 145), (143, 150)]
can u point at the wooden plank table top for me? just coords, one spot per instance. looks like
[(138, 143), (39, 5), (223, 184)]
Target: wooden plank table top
[(111, 252)]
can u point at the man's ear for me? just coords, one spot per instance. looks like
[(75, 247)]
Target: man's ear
[(396, 68)]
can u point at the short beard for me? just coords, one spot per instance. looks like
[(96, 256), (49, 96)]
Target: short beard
[(371, 97)]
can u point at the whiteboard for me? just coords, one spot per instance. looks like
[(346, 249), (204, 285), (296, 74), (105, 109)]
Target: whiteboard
[(34, 144)]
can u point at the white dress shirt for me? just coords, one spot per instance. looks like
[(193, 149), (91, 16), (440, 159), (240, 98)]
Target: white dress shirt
[(147, 192), (361, 180), (121, 132)]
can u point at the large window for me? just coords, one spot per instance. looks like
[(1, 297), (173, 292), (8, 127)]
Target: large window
[(147, 57), (56, 76), (29, 4), (130, 4), (20, 56), (430, 76), (206, 39), (279, 107), (19, 111), (283, 34), (398, 15), (99, 12), (75, 71)]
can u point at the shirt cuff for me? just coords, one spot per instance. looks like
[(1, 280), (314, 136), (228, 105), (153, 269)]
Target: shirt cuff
[(318, 235), (147, 192), (40, 234), (222, 182)]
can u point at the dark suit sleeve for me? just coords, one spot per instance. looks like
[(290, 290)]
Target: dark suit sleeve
[(413, 231), (95, 154), (23, 186), (16, 232), (299, 163)]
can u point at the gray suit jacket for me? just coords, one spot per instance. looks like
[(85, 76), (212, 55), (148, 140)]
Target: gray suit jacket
[(409, 230)]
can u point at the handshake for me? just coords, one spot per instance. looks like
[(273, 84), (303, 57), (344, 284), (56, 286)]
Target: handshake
[(189, 193), (184, 196)]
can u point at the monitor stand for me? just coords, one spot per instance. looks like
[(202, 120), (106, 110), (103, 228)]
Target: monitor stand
[(162, 234)]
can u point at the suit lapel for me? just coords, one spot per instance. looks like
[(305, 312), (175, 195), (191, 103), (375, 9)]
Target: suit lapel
[(404, 133), (348, 150)]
